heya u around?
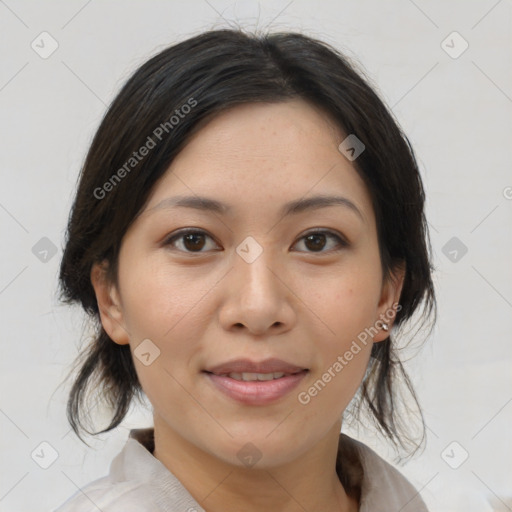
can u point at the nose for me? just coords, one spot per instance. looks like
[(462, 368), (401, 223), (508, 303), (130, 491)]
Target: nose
[(257, 298)]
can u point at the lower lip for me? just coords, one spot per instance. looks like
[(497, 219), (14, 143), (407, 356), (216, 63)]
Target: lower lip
[(259, 392)]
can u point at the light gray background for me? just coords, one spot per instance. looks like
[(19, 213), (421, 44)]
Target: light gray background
[(457, 114)]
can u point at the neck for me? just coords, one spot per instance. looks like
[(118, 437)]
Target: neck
[(218, 486)]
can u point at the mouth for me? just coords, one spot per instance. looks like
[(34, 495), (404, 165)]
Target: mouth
[(247, 366), (252, 377), (255, 383)]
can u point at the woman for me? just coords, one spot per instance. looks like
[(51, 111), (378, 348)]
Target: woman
[(249, 234)]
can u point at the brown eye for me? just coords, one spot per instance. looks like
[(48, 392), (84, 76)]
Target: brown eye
[(194, 241), (189, 240), (316, 241)]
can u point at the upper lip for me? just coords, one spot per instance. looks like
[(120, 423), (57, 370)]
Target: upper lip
[(247, 366)]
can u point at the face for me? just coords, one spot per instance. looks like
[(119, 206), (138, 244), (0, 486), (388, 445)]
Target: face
[(251, 286)]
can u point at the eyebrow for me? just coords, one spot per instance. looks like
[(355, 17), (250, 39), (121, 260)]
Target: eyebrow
[(290, 208)]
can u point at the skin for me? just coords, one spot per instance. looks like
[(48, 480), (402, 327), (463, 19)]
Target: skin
[(301, 301)]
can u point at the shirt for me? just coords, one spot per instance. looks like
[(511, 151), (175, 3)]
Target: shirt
[(139, 482)]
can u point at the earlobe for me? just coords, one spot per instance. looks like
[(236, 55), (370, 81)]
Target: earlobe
[(109, 304), (389, 302)]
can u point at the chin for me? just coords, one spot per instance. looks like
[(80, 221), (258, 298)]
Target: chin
[(258, 451)]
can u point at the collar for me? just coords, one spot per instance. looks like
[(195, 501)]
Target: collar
[(348, 461)]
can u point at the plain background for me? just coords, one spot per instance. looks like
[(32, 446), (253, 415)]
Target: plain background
[(457, 114)]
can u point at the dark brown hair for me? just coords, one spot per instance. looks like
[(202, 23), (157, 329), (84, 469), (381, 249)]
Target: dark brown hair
[(215, 71)]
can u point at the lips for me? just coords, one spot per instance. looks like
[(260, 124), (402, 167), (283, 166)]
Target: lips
[(247, 366), (251, 377), (255, 383)]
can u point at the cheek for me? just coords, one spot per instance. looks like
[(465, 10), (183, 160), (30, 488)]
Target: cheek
[(348, 306), (342, 364), (165, 308), (348, 302), (159, 302)]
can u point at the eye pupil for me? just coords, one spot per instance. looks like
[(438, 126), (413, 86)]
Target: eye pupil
[(194, 245), (313, 237)]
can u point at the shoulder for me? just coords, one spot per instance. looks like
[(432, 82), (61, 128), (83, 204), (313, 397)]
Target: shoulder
[(108, 496), (124, 489), (382, 486), (137, 482)]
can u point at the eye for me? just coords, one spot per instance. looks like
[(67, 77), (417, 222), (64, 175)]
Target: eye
[(315, 240), (191, 239)]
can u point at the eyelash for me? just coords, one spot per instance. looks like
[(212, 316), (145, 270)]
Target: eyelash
[(180, 234)]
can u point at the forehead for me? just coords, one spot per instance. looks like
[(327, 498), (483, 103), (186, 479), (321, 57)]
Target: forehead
[(265, 131), (262, 154)]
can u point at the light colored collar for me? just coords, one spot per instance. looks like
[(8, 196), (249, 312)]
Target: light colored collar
[(375, 482)]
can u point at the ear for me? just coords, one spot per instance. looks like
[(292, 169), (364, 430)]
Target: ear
[(109, 304), (388, 303)]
